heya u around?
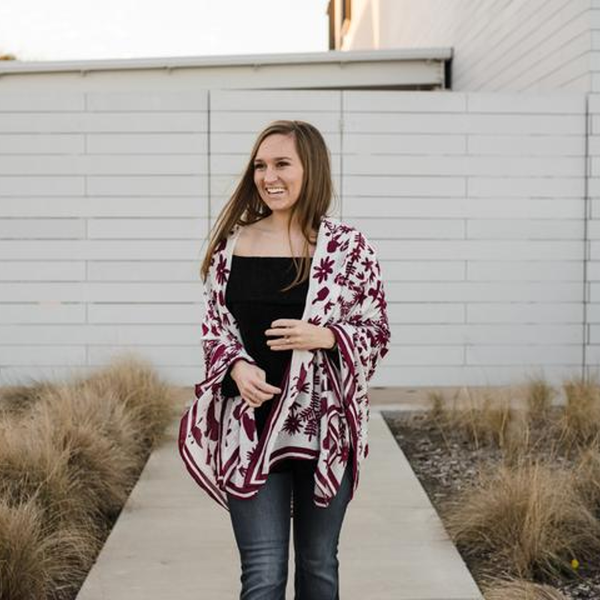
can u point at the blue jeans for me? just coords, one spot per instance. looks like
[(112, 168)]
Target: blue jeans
[(262, 531)]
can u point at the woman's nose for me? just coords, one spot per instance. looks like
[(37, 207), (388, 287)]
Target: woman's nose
[(269, 174)]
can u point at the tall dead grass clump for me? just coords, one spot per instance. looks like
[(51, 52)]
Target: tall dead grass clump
[(33, 467), (538, 397), (38, 559), (579, 425), (529, 516), (98, 413), (437, 406), (520, 589), (78, 452), (587, 478), (485, 421), (98, 438), (150, 402), (482, 421), (69, 456), (16, 400)]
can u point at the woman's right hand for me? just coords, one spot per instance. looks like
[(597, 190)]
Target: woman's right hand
[(252, 383)]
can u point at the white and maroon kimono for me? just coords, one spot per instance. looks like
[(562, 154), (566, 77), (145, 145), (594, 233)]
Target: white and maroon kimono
[(323, 410)]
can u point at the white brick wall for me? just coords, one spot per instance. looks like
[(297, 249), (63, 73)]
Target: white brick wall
[(475, 203)]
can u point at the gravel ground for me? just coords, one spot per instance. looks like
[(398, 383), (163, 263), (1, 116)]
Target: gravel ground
[(446, 464)]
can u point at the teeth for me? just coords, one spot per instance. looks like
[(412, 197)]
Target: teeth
[(275, 190)]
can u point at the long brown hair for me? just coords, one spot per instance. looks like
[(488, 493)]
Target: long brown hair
[(246, 206)]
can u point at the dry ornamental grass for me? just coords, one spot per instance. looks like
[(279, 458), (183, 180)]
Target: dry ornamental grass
[(515, 589), (529, 517), (69, 455), (517, 482)]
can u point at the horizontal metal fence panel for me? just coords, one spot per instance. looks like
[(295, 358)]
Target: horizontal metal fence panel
[(425, 312), (19, 313), (487, 334), (475, 204), (240, 122), (146, 101), (145, 143), (90, 291), (122, 122), (523, 145), (480, 249), (102, 334), (412, 228), (526, 229), (40, 354), (475, 291), (522, 270), (190, 313), (49, 143), (275, 101), (99, 249), (436, 165), (41, 102), (175, 185), (539, 355), (461, 207), (17, 186), (34, 228), (552, 312), (406, 101), (46, 270), (423, 270), (146, 228), (384, 144), (164, 270), (107, 206), (145, 164)]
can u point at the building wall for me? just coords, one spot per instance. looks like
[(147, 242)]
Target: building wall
[(499, 45), (476, 204), (595, 45)]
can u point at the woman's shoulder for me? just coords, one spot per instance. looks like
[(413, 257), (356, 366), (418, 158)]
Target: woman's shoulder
[(341, 229)]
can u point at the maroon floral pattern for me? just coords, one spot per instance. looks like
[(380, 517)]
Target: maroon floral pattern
[(324, 269), (323, 411)]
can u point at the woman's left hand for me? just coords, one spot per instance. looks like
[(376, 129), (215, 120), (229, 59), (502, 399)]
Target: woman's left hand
[(295, 334)]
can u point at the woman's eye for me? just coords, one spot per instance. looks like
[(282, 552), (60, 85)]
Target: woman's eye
[(260, 167)]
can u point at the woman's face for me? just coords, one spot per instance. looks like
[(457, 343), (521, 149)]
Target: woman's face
[(278, 172)]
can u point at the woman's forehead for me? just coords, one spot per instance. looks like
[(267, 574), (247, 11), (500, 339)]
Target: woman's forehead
[(277, 146)]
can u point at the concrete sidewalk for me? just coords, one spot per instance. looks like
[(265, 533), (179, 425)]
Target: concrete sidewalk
[(172, 541)]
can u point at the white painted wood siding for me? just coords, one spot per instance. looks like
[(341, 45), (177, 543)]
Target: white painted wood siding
[(103, 209), (594, 67), (474, 202), (499, 45)]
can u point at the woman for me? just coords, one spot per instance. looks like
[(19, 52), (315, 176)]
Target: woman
[(295, 326)]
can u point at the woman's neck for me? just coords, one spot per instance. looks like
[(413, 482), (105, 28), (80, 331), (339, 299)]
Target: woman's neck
[(278, 224)]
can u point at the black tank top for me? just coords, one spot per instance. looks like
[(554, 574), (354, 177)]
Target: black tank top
[(254, 298)]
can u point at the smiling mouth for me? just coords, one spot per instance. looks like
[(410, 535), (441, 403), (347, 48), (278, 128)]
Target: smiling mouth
[(275, 191)]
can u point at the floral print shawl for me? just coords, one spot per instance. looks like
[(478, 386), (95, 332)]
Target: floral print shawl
[(323, 411)]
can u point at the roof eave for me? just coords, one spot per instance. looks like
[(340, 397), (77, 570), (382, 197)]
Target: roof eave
[(253, 60)]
